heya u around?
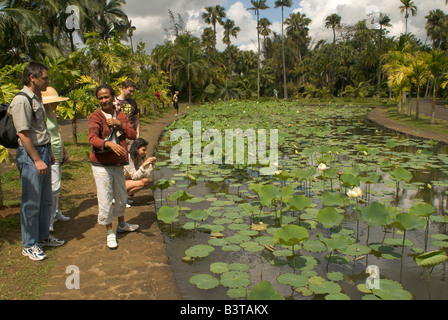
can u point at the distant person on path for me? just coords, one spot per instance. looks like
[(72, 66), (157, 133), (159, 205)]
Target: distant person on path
[(128, 106), (34, 159), (275, 94), (176, 102), (157, 95), (138, 171), (51, 99), (108, 159)]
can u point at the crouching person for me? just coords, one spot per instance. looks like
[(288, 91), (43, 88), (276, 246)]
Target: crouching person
[(139, 169)]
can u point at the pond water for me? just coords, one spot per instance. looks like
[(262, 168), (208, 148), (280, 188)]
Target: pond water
[(342, 139)]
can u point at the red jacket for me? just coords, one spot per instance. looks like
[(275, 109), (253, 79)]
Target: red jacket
[(99, 130)]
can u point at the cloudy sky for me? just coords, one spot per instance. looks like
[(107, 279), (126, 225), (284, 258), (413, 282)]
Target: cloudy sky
[(151, 17)]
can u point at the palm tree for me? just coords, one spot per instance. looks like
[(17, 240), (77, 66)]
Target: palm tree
[(213, 15), (297, 29), (396, 67), (436, 25), (333, 21), (264, 30), (436, 61), (230, 29), (418, 73), (102, 15), (257, 6), (384, 21), (408, 8), (191, 63), (15, 22), (208, 40), (282, 4)]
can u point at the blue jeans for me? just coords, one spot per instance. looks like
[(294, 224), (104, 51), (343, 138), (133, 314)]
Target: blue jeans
[(35, 207)]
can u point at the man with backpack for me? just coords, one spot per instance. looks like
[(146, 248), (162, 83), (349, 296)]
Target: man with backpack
[(34, 159)]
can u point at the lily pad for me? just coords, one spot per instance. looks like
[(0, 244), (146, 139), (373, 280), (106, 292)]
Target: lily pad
[(265, 291), (329, 217), (199, 251), (325, 287), (294, 280), (204, 281), (235, 279), (391, 290), (219, 267)]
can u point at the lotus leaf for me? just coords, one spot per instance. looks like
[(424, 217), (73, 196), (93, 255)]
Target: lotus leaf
[(252, 246), (199, 251), (333, 199), (401, 174), (293, 279), (405, 221), (300, 202), (291, 235), (329, 217), (422, 210), (235, 279), (430, 259), (314, 246), (219, 267), (325, 287), (337, 296), (335, 276), (198, 215), (168, 214), (204, 281), (375, 214), (264, 291), (268, 193), (391, 290)]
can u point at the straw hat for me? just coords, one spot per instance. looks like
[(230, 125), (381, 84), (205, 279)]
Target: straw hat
[(51, 95)]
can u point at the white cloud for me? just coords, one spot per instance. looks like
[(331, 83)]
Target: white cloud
[(352, 11), (151, 17)]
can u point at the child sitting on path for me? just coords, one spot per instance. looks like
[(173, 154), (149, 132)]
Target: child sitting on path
[(138, 171)]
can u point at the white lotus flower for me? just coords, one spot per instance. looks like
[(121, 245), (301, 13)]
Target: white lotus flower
[(322, 167), (356, 192)]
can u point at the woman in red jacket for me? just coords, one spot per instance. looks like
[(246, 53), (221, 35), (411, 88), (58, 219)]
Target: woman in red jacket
[(108, 159)]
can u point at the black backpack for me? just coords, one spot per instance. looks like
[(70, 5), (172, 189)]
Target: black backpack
[(8, 134)]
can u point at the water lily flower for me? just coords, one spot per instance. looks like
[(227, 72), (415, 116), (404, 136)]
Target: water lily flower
[(356, 192), (322, 167)]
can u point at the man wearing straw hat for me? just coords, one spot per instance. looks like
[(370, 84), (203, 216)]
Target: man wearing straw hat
[(51, 100), (34, 158)]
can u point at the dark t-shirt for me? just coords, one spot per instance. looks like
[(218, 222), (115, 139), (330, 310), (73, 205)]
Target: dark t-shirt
[(129, 107)]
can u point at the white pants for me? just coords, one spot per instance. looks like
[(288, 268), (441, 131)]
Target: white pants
[(56, 176), (110, 185)]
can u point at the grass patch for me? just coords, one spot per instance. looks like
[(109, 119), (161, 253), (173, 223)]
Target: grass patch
[(423, 123)]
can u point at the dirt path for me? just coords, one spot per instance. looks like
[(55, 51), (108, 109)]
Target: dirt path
[(138, 269), (379, 116)]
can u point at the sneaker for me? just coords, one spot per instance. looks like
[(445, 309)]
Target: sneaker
[(128, 205), (61, 217), (127, 228), (111, 241), (52, 241), (34, 253)]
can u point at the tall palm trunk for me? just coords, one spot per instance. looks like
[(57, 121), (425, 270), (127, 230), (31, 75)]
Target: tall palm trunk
[(284, 63)]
